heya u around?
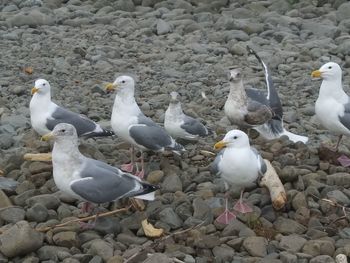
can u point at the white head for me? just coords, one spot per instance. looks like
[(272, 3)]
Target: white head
[(122, 84), (329, 71), (235, 75), (233, 139), (62, 132), (174, 97), (41, 86)]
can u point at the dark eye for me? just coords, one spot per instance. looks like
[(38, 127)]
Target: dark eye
[(123, 81), (235, 137), (44, 84), (238, 74), (63, 130), (330, 67)]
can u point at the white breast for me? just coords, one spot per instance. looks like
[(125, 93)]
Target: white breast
[(237, 167), (328, 111), (40, 110)]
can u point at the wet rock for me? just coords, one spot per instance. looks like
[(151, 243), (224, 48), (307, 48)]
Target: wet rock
[(292, 243), (51, 252), (171, 183), (37, 213), (12, 214), (319, 247), (287, 226), (255, 246), (20, 239), (168, 216), (47, 200), (102, 249), (66, 239)]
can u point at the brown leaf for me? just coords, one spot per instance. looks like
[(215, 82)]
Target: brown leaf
[(150, 230), (28, 70)]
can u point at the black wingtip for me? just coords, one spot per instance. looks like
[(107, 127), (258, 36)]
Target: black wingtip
[(104, 133)]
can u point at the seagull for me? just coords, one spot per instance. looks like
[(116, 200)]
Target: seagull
[(332, 106), (252, 108), (131, 125), (45, 115), (239, 165), (180, 125), (87, 179)]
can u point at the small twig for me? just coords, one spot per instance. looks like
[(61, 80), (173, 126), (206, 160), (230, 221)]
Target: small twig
[(84, 219), (156, 242)]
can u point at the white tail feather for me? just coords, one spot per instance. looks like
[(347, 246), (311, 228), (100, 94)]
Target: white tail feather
[(149, 196)]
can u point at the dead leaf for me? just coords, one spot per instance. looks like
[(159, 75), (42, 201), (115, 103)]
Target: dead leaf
[(28, 70), (150, 230)]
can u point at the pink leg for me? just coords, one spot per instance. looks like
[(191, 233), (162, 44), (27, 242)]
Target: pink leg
[(344, 160), (86, 208), (129, 167), (87, 226), (241, 206), (338, 142), (226, 217), (141, 173)]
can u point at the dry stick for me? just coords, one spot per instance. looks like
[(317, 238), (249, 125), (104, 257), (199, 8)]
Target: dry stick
[(45, 229), (164, 238)]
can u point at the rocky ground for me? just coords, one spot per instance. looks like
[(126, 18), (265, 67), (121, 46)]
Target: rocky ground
[(185, 46)]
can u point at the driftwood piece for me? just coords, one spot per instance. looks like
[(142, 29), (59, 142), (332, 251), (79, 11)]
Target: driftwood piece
[(272, 182), (41, 157)]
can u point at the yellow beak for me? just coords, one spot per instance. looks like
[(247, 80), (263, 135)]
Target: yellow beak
[(219, 145), (316, 74), (47, 136), (34, 90), (111, 87)]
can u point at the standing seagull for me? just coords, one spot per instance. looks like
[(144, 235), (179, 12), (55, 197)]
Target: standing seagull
[(333, 104), (88, 179), (180, 125), (253, 108), (239, 165), (130, 124), (45, 115)]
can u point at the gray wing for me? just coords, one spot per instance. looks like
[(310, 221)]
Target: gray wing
[(150, 135), (345, 119), (101, 183), (194, 126), (82, 124), (263, 167), (258, 113), (214, 166), (272, 96)]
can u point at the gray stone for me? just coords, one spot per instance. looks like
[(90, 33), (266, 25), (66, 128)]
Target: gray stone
[(322, 259), (4, 200), (288, 226), (163, 27), (37, 213), (319, 247), (255, 246), (223, 253), (168, 216), (339, 197), (20, 239), (101, 248), (51, 252), (33, 18), (171, 183), (125, 5), (158, 258), (202, 211), (343, 11), (129, 239), (10, 8), (292, 243), (47, 200), (107, 225), (299, 201), (288, 258), (12, 214), (341, 179), (16, 121), (66, 239)]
